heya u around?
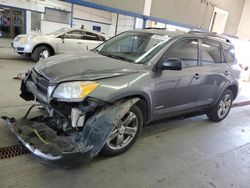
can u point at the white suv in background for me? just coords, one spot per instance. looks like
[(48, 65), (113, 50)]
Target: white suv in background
[(38, 46)]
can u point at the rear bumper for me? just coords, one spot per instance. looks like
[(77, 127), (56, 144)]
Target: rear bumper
[(56, 150)]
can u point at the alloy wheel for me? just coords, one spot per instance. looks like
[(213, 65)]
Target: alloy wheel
[(44, 54), (224, 106), (124, 134)]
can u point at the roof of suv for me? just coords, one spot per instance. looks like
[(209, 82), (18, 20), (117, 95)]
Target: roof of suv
[(194, 33)]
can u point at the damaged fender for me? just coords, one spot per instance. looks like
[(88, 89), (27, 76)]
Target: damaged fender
[(99, 127), (44, 143)]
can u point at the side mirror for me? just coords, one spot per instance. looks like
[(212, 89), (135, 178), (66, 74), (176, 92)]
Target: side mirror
[(172, 64)]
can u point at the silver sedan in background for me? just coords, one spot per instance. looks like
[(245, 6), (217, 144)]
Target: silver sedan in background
[(38, 46)]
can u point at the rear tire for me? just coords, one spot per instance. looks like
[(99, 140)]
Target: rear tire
[(111, 148), (221, 109), (40, 52)]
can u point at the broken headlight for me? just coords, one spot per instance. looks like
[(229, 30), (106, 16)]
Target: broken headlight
[(74, 90)]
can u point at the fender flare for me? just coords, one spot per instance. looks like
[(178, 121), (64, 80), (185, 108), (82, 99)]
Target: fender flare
[(143, 95)]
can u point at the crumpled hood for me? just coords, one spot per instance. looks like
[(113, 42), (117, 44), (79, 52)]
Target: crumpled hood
[(88, 66)]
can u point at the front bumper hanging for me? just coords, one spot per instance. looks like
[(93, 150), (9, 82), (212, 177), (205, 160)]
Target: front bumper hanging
[(37, 136), (46, 145)]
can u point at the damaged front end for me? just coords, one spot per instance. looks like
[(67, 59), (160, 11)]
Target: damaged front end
[(67, 133), (41, 136)]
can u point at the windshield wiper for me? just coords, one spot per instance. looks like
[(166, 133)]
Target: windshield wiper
[(113, 56)]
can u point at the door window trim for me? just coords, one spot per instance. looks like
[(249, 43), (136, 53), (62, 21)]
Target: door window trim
[(221, 52), (163, 57)]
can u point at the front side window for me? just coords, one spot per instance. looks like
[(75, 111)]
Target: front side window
[(185, 50), (211, 53), (135, 47)]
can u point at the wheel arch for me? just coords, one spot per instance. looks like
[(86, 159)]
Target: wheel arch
[(45, 44), (234, 88), (144, 103)]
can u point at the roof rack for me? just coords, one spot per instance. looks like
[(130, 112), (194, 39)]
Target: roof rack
[(210, 34)]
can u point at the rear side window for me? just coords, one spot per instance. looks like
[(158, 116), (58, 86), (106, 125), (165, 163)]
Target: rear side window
[(91, 36), (73, 35), (102, 38), (185, 50), (211, 52), (229, 54)]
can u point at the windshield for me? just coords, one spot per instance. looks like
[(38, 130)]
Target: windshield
[(59, 31), (135, 47)]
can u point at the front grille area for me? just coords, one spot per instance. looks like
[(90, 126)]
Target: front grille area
[(40, 82)]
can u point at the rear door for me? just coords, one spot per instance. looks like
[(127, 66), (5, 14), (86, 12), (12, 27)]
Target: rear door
[(213, 73), (176, 91)]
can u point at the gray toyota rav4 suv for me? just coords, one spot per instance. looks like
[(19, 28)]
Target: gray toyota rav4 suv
[(98, 102)]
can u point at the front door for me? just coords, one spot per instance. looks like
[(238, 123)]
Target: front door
[(178, 90)]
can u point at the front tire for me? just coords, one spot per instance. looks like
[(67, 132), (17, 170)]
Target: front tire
[(221, 109), (122, 138), (40, 52)]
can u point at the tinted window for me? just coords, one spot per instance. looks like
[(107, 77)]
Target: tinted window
[(73, 35), (229, 54), (102, 38), (211, 52), (76, 32), (91, 36), (186, 50)]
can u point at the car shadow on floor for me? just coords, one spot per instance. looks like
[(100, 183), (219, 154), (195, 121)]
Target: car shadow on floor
[(169, 124)]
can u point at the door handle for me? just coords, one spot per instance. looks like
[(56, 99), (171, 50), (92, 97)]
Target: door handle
[(226, 73), (196, 76), (79, 43)]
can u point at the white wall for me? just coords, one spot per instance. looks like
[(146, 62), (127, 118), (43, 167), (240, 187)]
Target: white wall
[(125, 23), (90, 17), (91, 14), (244, 27), (49, 27), (89, 25), (113, 24), (198, 12), (128, 5)]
